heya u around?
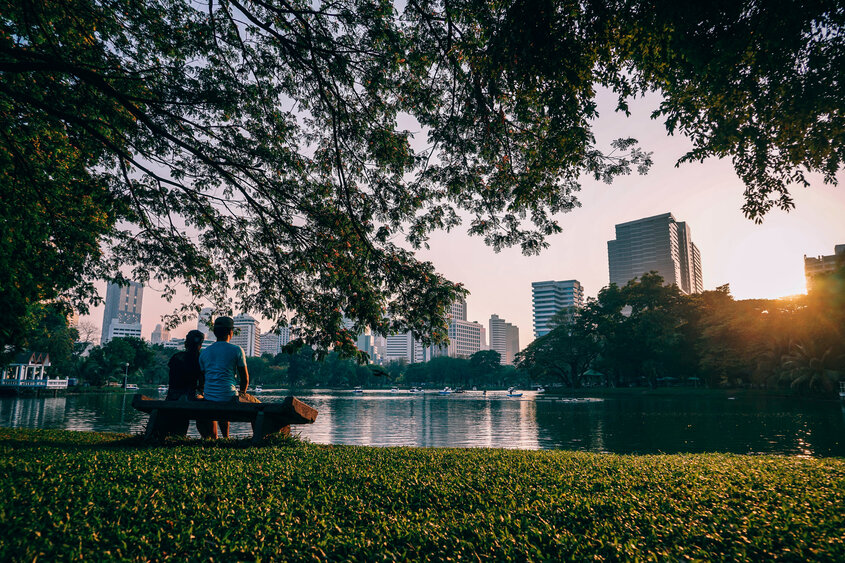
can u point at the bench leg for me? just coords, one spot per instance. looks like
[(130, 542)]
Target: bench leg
[(151, 425), (258, 428)]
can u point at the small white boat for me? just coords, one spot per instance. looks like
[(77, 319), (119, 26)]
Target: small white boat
[(414, 390), (394, 389), (357, 390), (163, 389), (131, 387), (446, 391), (512, 393), (259, 389), (541, 390)]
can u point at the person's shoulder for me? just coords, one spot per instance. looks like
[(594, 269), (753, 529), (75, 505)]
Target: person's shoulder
[(177, 357)]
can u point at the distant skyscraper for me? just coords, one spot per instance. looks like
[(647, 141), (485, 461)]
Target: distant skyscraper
[(549, 297), (247, 334), (823, 264), (504, 339), (204, 321), (657, 243), (122, 315), (272, 343), (466, 338), (160, 335), (403, 347)]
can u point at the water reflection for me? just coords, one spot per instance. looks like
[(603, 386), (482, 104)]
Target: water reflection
[(633, 424)]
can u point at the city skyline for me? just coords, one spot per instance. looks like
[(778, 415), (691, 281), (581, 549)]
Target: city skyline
[(758, 261)]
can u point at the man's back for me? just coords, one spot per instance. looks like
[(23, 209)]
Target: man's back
[(220, 363)]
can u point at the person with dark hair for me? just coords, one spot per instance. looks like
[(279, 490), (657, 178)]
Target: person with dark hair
[(185, 374), (223, 366), (184, 381)]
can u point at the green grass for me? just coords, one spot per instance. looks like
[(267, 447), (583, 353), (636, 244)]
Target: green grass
[(68, 495)]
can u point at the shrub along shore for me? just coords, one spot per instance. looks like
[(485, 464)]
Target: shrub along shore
[(67, 495)]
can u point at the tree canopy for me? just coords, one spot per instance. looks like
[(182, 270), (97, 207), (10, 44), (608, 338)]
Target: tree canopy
[(283, 148)]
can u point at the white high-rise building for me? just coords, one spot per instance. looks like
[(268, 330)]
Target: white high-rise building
[(549, 297), (466, 338), (403, 346), (247, 334), (658, 243), (272, 343), (122, 315), (504, 338)]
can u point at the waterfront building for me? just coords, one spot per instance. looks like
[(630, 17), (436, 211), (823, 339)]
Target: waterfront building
[(122, 315), (28, 370), (247, 334), (823, 264), (160, 335), (549, 297), (658, 243), (504, 339)]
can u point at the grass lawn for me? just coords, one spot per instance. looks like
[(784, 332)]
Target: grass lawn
[(67, 495)]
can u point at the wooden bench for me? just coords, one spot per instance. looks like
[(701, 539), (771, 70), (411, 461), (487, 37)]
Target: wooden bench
[(266, 418)]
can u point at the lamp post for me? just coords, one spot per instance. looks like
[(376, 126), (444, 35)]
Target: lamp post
[(125, 374)]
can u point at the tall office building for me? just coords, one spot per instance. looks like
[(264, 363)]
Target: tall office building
[(122, 316), (823, 264), (657, 243), (247, 334), (549, 297), (504, 339)]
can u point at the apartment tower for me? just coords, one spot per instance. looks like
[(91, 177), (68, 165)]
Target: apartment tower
[(549, 297)]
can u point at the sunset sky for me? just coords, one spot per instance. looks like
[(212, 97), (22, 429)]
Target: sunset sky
[(756, 260)]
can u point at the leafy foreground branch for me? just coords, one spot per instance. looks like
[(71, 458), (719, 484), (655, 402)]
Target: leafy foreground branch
[(95, 495)]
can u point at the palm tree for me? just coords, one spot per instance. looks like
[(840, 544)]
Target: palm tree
[(807, 365)]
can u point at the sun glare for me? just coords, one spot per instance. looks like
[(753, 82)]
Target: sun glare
[(767, 263)]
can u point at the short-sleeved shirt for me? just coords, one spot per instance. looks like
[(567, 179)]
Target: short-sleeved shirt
[(220, 362), (184, 374)]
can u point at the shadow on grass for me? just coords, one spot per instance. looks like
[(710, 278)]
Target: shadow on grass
[(69, 440)]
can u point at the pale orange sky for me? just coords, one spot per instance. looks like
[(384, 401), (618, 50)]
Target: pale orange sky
[(757, 260)]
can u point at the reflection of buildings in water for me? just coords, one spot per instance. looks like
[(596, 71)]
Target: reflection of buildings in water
[(513, 423), (33, 412)]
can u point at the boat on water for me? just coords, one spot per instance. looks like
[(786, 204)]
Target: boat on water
[(357, 390), (512, 392), (131, 387), (414, 390), (459, 390), (446, 391), (259, 389), (163, 389), (394, 389), (541, 389)]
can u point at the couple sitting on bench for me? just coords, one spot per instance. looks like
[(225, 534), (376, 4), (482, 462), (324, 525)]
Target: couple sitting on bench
[(218, 374)]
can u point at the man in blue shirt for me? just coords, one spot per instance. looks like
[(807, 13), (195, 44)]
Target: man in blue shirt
[(223, 365)]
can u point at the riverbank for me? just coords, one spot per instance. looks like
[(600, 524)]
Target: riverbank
[(107, 496)]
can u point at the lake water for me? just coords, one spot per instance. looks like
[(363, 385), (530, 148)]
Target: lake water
[(624, 424)]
